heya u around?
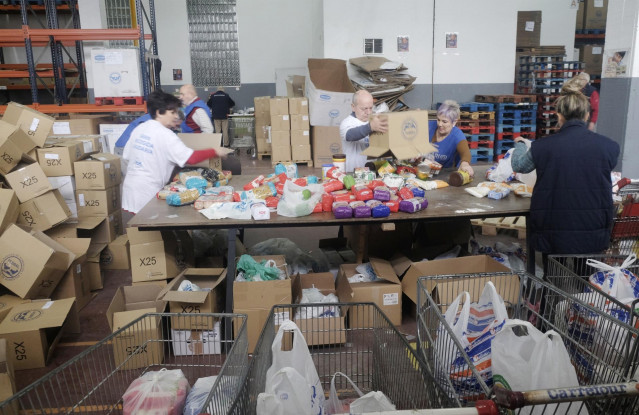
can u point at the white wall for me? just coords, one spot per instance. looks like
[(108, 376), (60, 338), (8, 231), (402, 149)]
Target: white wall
[(621, 31), (486, 40), (348, 23)]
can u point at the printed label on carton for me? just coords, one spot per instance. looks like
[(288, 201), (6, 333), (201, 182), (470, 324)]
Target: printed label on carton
[(391, 299)]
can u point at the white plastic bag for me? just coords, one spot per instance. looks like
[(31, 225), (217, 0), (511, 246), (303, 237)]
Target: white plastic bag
[(280, 383), (293, 203), (617, 282), (233, 210), (374, 401), (532, 360), (474, 326)]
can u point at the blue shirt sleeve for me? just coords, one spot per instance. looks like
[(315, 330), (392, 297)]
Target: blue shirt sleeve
[(357, 133), (521, 160)]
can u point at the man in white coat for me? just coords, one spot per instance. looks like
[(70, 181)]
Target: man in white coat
[(355, 129)]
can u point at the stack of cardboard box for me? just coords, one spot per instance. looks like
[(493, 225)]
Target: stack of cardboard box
[(280, 129), (263, 125), (300, 130)]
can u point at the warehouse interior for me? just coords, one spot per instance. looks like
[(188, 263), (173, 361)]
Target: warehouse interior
[(486, 57)]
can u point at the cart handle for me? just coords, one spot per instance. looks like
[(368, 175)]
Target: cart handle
[(514, 400), (624, 182)]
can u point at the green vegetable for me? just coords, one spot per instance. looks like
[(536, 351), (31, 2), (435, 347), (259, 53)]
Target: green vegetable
[(306, 194)]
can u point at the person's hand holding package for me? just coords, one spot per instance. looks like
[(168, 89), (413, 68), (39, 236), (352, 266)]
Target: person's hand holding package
[(379, 124)]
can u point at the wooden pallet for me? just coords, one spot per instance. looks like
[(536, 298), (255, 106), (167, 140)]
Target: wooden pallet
[(260, 156), (491, 225), (309, 163)]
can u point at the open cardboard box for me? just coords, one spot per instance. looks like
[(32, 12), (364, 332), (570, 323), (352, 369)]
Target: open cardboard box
[(140, 345), (75, 281), (34, 329), (386, 292), (33, 263), (463, 265), (320, 330), (407, 136), (191, 303), (329, 91), (157, 255), (202, 141), (256, 298)]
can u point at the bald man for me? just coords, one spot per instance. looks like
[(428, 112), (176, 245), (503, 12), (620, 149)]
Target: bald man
[(197, 117), (356, 128)]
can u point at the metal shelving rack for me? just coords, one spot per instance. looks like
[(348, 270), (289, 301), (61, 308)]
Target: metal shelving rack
[(58, 39)]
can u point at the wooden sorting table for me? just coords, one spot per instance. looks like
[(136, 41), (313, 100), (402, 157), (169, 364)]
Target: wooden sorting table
[(443, 204)]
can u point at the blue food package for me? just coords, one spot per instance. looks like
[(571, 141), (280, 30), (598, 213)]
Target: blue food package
[(380, 211)]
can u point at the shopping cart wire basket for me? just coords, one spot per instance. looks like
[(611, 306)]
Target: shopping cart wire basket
[(600, 355), (370, 351), (94, 381)]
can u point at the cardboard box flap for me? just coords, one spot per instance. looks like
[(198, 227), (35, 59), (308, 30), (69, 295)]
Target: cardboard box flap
[(330, 75), (376, 151), (134, 295), (208, 278), (62, 258), (198, 297), (464, 265), (123, 318), (63, 230), (37, 315), (89, 223), (79, 246), (137, 236), (400, 264), (7, 301), (384, 270), (445, 291), (94, 251)]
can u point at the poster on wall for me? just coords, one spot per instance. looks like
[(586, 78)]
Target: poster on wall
[(177, 74), (451, 40), (616, 65), (402, 43)]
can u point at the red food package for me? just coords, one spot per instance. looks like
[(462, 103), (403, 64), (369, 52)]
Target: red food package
[(406, 169), (237, 197), (256, 182), (362, 193), (280, 188), (393, 205), (327, 202), (341, 196), (272, 201), (332, 186), (302, 181), (405, 193), (375, 183), (318, 208)]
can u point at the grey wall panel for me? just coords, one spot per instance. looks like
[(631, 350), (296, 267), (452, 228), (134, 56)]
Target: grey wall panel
[(615, 119)]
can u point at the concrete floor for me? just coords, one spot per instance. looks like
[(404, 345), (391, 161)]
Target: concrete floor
[(93, 321)]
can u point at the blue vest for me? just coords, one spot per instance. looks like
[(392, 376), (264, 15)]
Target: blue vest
[(188, 123), (124, 138), (571, 210)]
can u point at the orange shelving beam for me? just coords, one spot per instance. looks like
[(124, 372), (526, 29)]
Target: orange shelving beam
[(40, 37), (81, 108)]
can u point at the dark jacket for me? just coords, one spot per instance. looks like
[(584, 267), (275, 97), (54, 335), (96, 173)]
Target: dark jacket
[(571, 210), (220, 104)]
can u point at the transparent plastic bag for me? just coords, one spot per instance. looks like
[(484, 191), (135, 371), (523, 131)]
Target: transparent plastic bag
[(161, 393), (297, 202)]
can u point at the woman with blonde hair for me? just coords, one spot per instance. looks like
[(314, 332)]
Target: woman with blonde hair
[(571, 210), (451, 143)]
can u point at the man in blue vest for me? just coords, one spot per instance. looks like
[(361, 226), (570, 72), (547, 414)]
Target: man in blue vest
[(197, 117)]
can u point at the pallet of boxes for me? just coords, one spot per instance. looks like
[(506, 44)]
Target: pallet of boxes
[(283, 129)]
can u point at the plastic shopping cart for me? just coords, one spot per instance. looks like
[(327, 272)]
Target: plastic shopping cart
[(605, 357), (242, 133), (376, 357), (94, 381)]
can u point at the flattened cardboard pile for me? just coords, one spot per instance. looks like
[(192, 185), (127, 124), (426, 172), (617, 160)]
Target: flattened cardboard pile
[(383, 78)]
